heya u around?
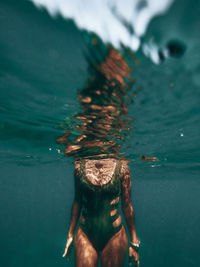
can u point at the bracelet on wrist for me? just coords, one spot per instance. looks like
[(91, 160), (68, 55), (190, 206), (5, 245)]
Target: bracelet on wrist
[(136, 246)]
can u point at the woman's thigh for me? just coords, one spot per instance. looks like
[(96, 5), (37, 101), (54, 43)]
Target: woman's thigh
[(115, 251), (85, 253)]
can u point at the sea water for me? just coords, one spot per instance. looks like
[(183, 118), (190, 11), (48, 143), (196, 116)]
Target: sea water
[(42, 67)]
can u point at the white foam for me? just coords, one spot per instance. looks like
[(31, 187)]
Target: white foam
[(106, 17)]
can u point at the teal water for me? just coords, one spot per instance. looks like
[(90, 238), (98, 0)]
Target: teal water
[(42, 66)]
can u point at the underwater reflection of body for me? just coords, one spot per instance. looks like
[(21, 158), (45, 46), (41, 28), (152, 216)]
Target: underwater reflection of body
[(102, 175)]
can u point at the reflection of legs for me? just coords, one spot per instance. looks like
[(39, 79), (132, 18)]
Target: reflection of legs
[(86, 254), (115, 251)]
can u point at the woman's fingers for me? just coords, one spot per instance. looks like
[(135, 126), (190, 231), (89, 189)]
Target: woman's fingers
[(133, 262), (133, 257), (65, 252), (69, 252), (68, 248)]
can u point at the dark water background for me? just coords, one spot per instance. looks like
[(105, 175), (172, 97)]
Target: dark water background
[(42, 66)]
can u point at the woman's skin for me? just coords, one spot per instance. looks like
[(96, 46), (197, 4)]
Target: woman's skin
[(113, 254)]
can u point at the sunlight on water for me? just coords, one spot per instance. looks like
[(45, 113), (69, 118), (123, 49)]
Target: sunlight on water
[(116, 22), (103, 125)]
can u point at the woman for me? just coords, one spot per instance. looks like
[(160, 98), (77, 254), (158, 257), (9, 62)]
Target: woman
[(99, 184)]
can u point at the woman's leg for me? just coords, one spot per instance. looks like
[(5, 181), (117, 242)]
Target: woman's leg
[(85, 253), (115, 251)]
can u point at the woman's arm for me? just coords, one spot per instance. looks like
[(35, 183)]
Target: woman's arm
[(75, 213), (128, 210)]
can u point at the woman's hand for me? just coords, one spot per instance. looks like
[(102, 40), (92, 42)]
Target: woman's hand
[(133, 257), (68, 247)]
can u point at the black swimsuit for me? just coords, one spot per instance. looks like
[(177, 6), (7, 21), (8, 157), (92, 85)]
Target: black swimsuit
[(97, 222)]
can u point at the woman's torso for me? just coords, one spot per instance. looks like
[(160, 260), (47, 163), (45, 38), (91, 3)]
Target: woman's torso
[(100, 186)]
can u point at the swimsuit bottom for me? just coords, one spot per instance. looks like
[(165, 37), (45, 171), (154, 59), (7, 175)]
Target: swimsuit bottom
[(100, 229)]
